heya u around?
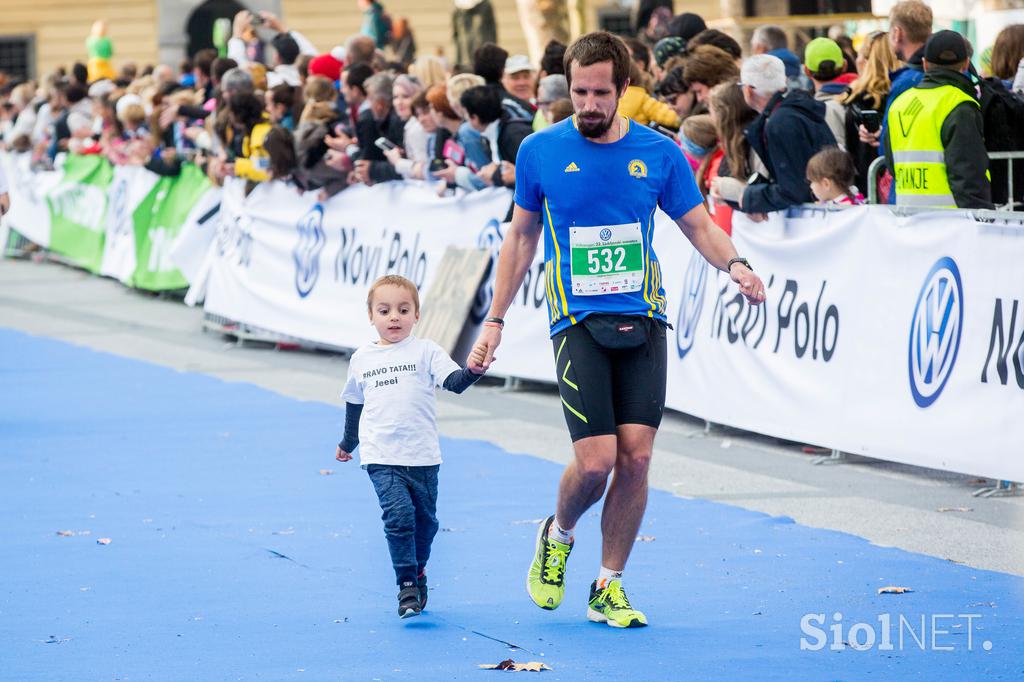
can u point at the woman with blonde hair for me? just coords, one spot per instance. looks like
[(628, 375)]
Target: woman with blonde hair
[(734, 157), (865, 102), (429, 71)]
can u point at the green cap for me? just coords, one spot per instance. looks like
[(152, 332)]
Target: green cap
[(820, 51)]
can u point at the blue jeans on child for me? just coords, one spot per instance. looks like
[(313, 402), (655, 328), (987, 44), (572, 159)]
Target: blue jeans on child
[(408, 498)]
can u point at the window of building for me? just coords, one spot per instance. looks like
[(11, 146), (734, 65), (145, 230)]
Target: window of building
[(17, 56)]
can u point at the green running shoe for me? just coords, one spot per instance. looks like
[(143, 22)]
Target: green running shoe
[(546, 580), (610, 605)]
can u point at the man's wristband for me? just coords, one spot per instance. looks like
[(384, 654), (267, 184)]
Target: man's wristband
[(494, 322), (734, 261)]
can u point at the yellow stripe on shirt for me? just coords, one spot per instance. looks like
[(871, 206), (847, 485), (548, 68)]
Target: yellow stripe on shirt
[(558, 264)]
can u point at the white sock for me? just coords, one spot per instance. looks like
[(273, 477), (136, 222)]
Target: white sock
[(563, 535), (606, 576)]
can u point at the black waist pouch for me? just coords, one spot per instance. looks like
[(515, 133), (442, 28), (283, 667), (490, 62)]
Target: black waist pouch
[(619, 332)]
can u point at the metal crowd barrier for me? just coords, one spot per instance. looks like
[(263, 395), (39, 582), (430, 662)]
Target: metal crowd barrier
[(879, 164)]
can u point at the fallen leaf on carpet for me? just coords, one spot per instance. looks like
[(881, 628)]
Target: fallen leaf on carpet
[(103, 541), (290, 531), (956, 509), (892, 589), (529, 522), (327, 472), (645, 538), (509, 664), (65, 533)]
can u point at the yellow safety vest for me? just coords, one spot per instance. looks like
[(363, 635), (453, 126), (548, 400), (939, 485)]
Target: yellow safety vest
[(914, 127)]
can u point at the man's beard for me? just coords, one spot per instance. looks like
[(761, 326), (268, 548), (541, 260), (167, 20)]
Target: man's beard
[(594, 128)]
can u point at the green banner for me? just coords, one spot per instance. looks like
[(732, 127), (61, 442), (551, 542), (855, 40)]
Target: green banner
[(158, 219), (78, 210)]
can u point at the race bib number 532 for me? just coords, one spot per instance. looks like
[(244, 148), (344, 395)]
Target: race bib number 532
[(606, 259)]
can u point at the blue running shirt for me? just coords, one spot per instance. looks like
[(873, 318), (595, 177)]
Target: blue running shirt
[(597, 204)]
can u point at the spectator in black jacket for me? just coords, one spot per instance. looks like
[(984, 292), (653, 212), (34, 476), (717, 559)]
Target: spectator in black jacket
[(379, 120), (790, 130)]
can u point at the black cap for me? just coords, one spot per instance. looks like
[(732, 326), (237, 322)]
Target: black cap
[(946, 48)]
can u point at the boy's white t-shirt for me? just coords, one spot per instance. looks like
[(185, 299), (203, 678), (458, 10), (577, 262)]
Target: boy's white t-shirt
[(395, 384)]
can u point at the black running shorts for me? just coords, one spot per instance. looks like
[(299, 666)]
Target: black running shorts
[(602, 386)]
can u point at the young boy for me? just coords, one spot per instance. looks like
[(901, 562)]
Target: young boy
[(393, 380)]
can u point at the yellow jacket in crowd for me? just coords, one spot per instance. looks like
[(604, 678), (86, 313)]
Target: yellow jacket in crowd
[(642, 108), (255, 160)]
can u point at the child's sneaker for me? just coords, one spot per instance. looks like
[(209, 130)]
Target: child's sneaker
[(421, 582), (409, 600)]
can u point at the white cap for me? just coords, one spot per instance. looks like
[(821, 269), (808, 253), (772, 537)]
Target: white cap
[(764, 73), (517, 63), (126, 101), (101, 88), (338, 52)]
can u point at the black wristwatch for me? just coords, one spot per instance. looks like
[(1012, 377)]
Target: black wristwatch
[(734, 261)]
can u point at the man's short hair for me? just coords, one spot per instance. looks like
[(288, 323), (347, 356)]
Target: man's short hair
[(286, 47), (360, 49), (489, 62), (235, 82), (220, 66), (379, 86), (765, 73), (394, 281), (723, 41), (551, 62), (484, 102), (710, 65), (552, 87), (641, 53), (204, 60), (770, 37), (594, 48), (914, 17), (357, 75)]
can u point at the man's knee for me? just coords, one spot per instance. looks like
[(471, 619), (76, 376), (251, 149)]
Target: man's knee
[(633, 461), (595, 467)]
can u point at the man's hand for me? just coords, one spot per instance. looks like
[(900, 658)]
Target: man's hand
[(339, 161), (5, 203), (868, 137), (751, 285), (342, 456), (448, 173), (508, 174), (241, 25), (729, 189), (271, 21), (339, 142), (394, 155), (486, 174), (362, 171), (482, 355), (168, 115)]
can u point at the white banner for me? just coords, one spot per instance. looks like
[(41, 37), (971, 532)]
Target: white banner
[(288, 264), (29, 214), (129, 187), (896, 338)]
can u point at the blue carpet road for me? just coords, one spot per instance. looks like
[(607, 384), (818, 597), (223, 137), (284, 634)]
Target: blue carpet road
[(233, 557)]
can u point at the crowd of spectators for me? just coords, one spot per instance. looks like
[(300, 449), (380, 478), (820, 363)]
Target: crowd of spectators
[(763, 127)]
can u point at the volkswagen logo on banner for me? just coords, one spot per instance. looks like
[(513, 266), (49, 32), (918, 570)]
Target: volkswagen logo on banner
[(935, 331), (690, 303), (307, 250)]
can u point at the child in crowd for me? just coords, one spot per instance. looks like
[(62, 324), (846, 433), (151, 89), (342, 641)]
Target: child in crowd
[(393, 380), (832, 175)]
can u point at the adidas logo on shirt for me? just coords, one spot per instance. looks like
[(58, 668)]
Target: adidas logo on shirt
[(572, 168)]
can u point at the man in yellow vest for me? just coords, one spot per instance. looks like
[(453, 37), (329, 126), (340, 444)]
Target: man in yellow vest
[(935, 145)]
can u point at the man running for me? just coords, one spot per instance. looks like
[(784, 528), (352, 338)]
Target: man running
[(591, 185)]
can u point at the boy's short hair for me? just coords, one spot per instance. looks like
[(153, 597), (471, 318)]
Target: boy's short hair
[(395, 281)]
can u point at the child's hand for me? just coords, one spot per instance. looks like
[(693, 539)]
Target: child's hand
[(342, 456)]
